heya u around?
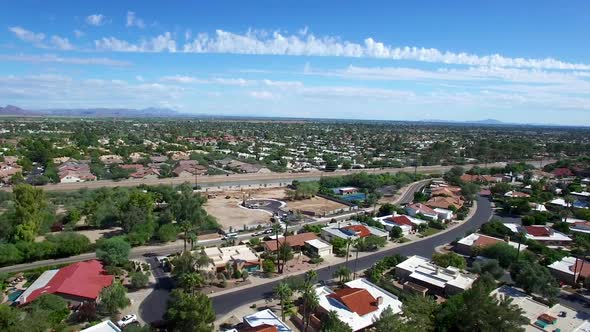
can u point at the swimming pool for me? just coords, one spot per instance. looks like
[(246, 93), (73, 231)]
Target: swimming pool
[(14, 295)]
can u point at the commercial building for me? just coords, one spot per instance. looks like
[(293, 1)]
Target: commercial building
[(440, 281), (359, 304), (76, 283)]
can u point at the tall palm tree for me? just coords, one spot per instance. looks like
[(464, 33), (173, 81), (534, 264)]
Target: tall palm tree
[(284, 292), (311, 301), (342, 273), (358, 244), (349, 242), (310, 277), (276, 229)]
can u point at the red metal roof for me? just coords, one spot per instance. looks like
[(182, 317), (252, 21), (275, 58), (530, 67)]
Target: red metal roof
[(402, 220), (82, 279), (356, 299), (261, 328), (361, 230)]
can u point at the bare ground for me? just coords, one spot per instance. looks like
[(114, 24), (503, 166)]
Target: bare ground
[(229, 213)]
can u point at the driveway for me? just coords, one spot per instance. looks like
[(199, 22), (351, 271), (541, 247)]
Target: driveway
[(154, 306)]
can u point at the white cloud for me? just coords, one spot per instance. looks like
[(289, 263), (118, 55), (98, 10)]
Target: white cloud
[(161, 43), (139, 78), (182, 79), (79, 33), (28, 36), (134, 21), (95, 19), (61, 43), (50, 58), (263, 95)]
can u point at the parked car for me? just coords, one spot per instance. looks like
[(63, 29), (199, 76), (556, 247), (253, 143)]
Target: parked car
[(126, 320)]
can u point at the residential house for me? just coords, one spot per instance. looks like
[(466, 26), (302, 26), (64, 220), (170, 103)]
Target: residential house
[(179, 155), (352, 230), (74, 171), (480, 178), (104, 326), (406, 223), (546, 235), (581, 226), (8, 170), (189, 168), (569, 269), (76, 283), (158, 159), (296, 241), (264, 321), (137, 156), (422, 209), (472, 243), (359, 304), (445, 202), (420, 271), (141, 172), (109, 159), (562, 172), (444, 214), (542, 317), (242, 167), (516, 194), (241, 257), (345, 190), (319, 248)]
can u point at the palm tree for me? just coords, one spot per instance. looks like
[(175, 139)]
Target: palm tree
[(349, 242), (191, 282), (310, 277), (359, 243), (342, 273), (311, 301), (284, 292), (203, 260), (520, 237), (276, 229)]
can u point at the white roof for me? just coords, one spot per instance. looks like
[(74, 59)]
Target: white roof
[(573, 320), (40, 282), (266, 317), (559, 201), (105, 326), (222, 256), (319, 244), (422, 269), (354, 320), (439, 210), (566, 265), (583, 194), (556, 236), (471, 238)]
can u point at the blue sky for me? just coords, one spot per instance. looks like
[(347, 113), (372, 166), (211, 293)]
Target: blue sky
[(517, 61)]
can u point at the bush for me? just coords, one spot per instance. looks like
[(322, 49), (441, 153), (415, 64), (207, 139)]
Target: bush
[(69, 244), (449, 259), (139, 279), (167, 232), (113, 251), (268, 265), (316, 260)]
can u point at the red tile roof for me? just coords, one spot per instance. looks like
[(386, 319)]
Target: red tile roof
[(537, 230), (82, 279), (421, 208), (292, 240), (261, 328), (356, 299), (361, 230), (582, 267), (402, 220), (562, 171), (444, 202), (484, 241)]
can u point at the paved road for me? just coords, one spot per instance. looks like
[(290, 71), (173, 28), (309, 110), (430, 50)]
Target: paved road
[(237, 179), (408, 196)]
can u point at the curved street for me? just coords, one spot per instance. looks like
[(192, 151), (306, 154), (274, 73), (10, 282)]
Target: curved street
[(154, 306)]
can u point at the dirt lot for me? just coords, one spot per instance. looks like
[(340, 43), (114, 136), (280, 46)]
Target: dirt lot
[(229, 213), (317, 205)]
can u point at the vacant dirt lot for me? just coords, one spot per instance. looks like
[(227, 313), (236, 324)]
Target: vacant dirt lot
[(317, 205), (229, 213)]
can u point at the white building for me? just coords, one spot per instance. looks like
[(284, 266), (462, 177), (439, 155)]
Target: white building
[(105, 326), (444, 214), (538, 313), (544, 234), (359, 304), (466, 245), (265, 318), (563, 270), (319, 247), (241, 255), (351, 230), (444, 281)]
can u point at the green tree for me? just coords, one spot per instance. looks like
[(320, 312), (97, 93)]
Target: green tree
[(167, 232), (191, 282), (449, 259), (190, 313), (284, 293), (10, 319), (113, 298), (56, 307), (396, 232), (268, 265), (342, 273), (139, 279), (285, 254), (534, 278), (113, 251), (504, 253), (331, 323), (29, 211)]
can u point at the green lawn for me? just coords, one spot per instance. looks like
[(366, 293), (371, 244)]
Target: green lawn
[(430, 231)]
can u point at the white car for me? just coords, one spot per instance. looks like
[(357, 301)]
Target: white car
[(126, 320)]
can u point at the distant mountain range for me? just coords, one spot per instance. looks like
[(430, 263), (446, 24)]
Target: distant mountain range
[(11, 110)]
